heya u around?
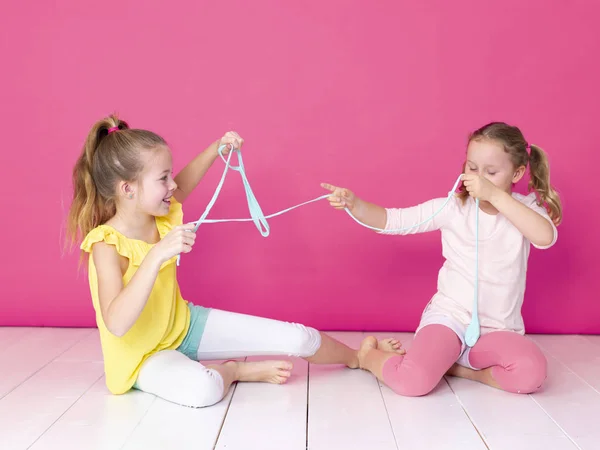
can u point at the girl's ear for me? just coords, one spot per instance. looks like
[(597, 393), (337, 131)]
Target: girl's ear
[(518, 174), (126, 190)]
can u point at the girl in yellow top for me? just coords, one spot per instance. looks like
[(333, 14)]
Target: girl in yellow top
[(127, 208)]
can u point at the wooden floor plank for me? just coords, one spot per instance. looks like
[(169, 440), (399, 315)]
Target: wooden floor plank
[(576, 352), (594, 339), (162, 426), (168, 425), (87, 349), (33, 351), (568, 395), (99, 420), (267, 416), (346, 409), (10, 335), (506, 420), (433, 421), (31, 408)]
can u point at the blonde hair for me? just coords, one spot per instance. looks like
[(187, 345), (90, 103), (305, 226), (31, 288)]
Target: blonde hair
[(111, 153), (514, 143)]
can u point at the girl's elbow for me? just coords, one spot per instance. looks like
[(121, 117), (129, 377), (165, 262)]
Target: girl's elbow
[(543, 243), (116, 329), (546, 238), (114, 322)]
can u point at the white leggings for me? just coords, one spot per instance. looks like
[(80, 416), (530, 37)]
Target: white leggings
[(173, 376)]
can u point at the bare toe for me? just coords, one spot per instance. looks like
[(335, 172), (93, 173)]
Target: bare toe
[(286, 365), (390, 345), (278, 379)]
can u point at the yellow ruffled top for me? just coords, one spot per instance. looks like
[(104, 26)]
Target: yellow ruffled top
[(164, 320)]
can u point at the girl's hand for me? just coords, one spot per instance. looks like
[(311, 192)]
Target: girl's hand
[(179, 240), (340, 198), (232, 141), (479, 187)]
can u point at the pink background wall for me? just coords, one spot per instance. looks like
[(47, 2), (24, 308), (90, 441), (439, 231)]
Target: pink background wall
[(375, 96)]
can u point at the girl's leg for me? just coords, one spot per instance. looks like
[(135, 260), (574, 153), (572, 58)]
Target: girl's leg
[(171, 375), (233, 335), (433, 351), (510, 362), (174, 377)]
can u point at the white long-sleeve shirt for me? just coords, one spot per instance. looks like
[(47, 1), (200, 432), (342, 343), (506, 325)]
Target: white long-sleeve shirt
[(503, 255)]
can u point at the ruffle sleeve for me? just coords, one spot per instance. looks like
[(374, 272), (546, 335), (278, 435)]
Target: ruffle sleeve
[(131, 249)]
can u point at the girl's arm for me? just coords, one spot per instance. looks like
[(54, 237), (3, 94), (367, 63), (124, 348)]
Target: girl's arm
[(370, 214), (536, 228), (190, 176), (121, 306), (424, 217)]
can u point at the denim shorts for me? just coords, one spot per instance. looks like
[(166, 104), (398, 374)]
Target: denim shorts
[(191, 342)]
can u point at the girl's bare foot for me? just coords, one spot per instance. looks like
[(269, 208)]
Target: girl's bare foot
[(483, 376), (369, 343), (354, 363), (276, 372), (390, 345), (457, 371)]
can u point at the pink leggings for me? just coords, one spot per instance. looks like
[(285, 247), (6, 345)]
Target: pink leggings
[(517, 364)]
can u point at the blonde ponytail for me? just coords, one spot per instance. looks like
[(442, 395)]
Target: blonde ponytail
[(539, 169)]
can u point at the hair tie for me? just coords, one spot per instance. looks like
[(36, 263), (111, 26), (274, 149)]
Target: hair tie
[(528, 148), (110, 130)]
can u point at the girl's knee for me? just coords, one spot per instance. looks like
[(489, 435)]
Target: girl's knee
[(527, 372), (174, 377), (534, 371), (205, 391), (306, 341), (408, 380), (519, 366)]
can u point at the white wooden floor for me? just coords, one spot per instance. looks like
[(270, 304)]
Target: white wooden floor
[(52, 396)]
